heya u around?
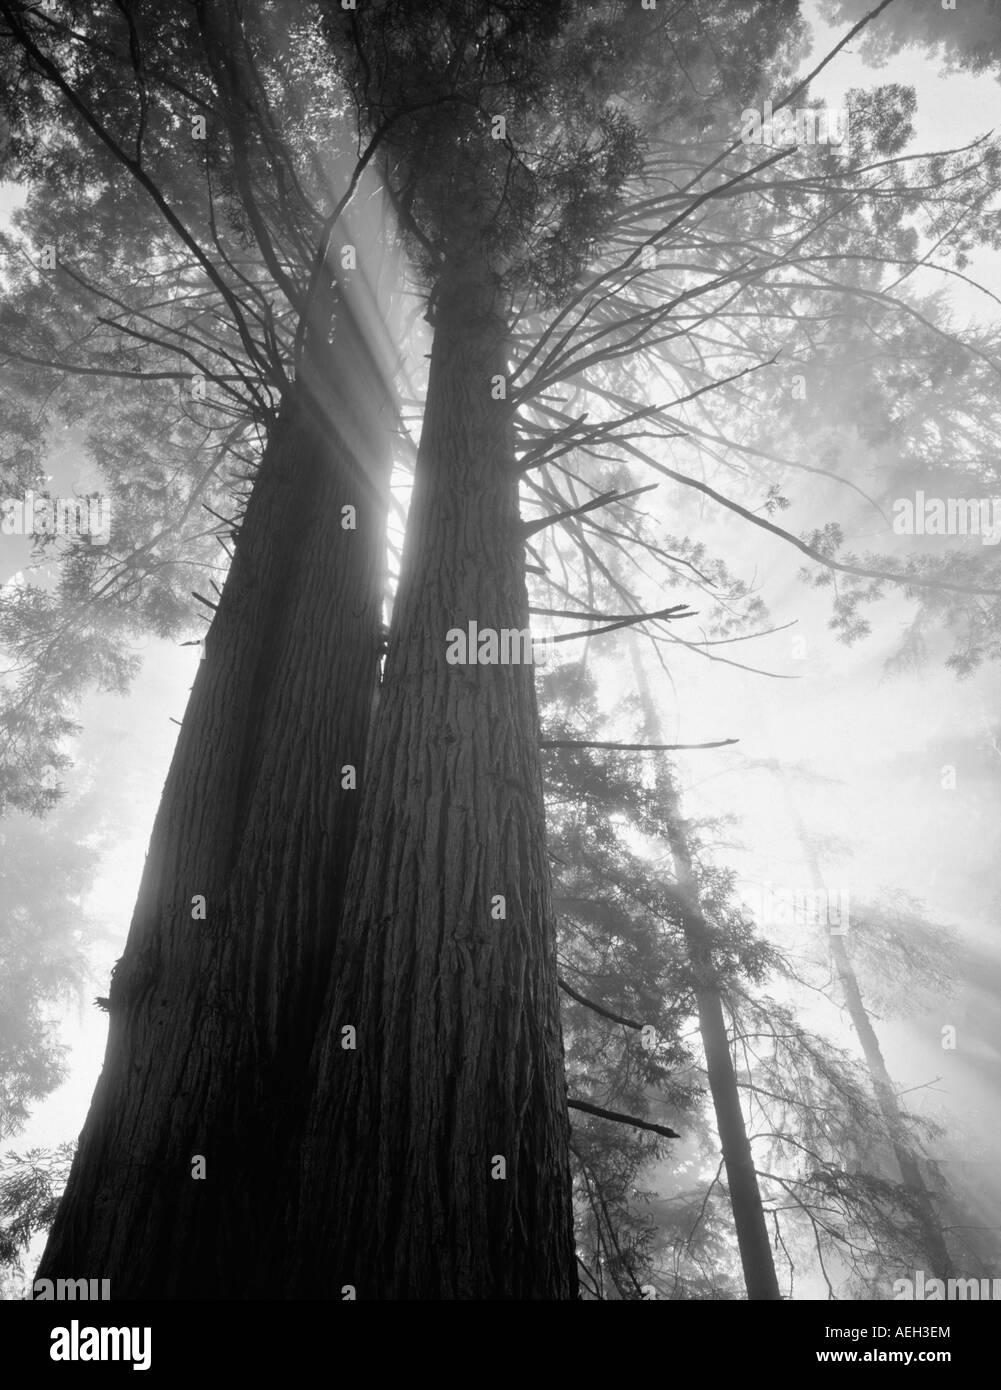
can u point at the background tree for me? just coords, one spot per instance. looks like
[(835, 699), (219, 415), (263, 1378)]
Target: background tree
[(42, 956), (964, 37), (31, 1185), (619, 980)]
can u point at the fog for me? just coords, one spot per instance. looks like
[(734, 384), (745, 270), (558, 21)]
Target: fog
[(871, 763)]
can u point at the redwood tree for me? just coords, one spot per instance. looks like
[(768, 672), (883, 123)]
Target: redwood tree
[(213, 1006), (439, 1120)]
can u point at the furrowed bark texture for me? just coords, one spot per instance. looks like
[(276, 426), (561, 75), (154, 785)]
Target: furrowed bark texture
[(212, 1022), (458, 1060)]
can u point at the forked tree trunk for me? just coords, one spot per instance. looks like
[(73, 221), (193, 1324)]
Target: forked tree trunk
[(212, 1022), (437, 1159)]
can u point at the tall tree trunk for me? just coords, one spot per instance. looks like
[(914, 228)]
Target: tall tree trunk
[(741, 1178), (437, 1159), (929, 1224), (212, 1021), (756, 1258)]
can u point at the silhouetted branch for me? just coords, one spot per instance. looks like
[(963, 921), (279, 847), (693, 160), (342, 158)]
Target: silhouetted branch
[(529, 528), (599, 1008), (679, 610), (633, 747), (603, 1114)]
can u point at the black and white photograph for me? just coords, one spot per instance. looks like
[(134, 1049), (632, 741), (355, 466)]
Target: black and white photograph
[(500, 627)]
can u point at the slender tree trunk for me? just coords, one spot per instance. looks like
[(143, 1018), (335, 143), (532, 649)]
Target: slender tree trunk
[(437, 1160), (756, 1258), (741, 1178), (932, 1237), (212, 1021)]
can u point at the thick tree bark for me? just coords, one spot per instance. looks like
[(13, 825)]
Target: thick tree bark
[(756, 1258), (212, 1022), (436, 1165)]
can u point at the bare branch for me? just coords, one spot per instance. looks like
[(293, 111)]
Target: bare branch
[(679, 610), (634, 747), (603, 1114), (529, 528), (599, 1008)]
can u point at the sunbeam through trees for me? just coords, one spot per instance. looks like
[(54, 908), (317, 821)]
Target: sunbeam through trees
[(500, 611)]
